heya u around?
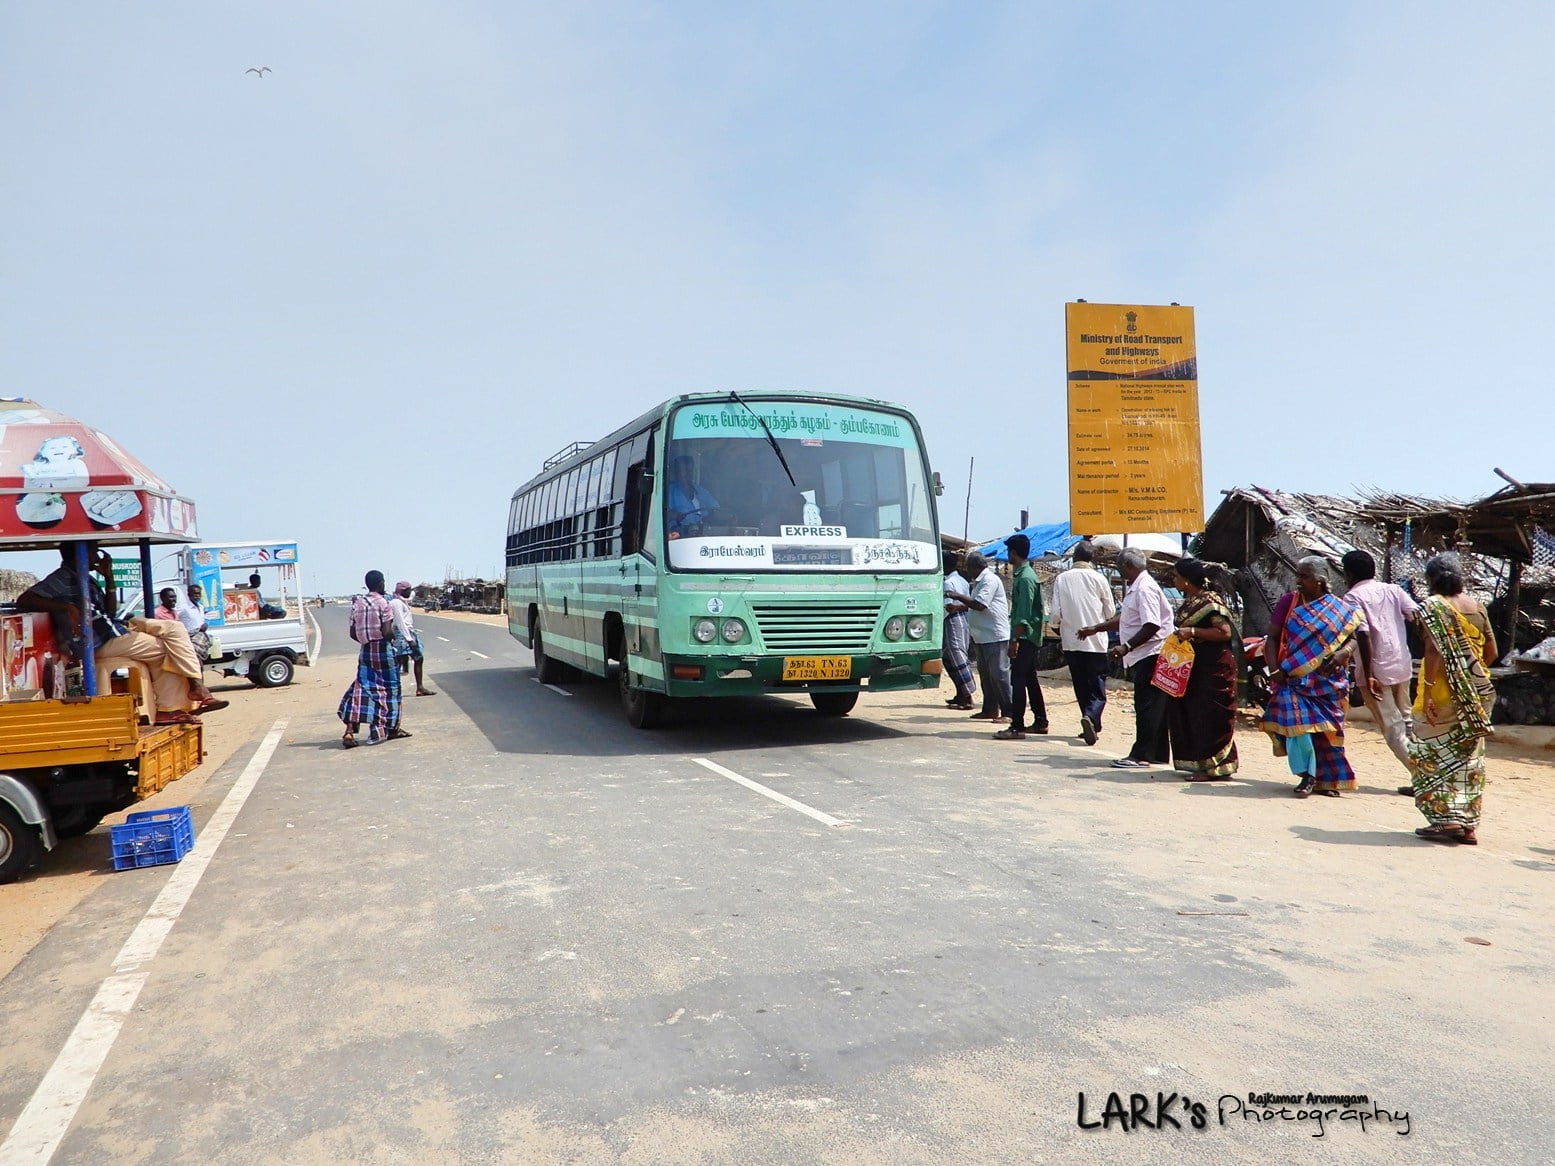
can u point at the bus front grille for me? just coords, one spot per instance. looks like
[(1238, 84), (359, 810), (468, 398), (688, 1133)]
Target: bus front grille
[(817, 627)]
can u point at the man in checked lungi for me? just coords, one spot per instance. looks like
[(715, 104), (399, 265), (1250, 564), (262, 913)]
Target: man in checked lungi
[(956, 651), (374, 696)]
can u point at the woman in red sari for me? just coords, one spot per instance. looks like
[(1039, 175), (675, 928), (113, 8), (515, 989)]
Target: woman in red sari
[(1202, 721)]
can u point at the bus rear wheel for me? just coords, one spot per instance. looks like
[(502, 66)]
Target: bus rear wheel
[(644, 709), (834, 704), (547, 670)]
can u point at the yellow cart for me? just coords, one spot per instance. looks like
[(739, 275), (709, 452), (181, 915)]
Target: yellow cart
[(69, 753)]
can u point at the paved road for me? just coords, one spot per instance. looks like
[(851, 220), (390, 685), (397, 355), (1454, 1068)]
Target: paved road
[(532, 933)]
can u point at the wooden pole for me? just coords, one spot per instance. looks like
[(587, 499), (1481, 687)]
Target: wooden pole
[(1514, 597), (966, 521), (84, 605)]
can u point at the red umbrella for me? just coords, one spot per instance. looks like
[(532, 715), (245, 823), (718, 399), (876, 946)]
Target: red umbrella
[(62, 481)]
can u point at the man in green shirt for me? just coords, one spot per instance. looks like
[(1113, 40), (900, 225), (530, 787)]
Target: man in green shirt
[(1026, 617)]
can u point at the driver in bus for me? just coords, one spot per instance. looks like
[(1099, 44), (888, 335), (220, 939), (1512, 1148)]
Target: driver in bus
[(688, 504)]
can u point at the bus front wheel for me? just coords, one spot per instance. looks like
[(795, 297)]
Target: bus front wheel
[(834, 704), (644, 709)]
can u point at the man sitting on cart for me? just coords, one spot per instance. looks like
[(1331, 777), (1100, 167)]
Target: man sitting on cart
[(163, 646)]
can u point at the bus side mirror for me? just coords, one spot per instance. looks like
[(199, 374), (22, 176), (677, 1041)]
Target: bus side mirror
[(939, 485)]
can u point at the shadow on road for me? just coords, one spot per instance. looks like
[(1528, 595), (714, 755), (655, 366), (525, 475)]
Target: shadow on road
[(519, 716), (1398, 839), (1534, 864)]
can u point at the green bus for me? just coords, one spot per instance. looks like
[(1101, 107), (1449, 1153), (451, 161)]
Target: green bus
[(726, 544)]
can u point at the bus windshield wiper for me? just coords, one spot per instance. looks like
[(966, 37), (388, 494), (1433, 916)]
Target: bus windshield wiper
[(772, 441)]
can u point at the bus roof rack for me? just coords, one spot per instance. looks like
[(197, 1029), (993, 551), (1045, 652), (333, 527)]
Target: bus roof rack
[(562, 455)]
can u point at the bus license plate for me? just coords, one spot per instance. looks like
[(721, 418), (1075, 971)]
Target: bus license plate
[(817, 667)]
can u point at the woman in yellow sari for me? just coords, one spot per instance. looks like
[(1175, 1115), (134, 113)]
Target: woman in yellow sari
[(1452, 706)]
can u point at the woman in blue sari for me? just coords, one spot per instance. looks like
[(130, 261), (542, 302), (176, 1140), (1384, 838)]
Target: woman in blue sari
[(1311, 639)]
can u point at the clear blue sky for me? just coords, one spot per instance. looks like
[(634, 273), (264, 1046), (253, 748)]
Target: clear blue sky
[(357, 301)]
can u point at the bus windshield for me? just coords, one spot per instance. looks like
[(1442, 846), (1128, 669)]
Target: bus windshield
[(858, 498)]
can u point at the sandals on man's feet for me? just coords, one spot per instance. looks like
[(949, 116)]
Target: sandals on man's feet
[(1442, 834), (397, 734), (349, 741)]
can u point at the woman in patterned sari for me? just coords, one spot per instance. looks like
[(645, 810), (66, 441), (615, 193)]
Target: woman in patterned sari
[(1312, 636), (1452, 706), (1202, 722)]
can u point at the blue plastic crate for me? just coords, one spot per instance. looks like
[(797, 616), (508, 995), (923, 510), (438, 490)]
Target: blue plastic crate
[(153, 837)]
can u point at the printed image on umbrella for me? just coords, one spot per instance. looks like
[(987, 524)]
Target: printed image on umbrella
[(61, 478)]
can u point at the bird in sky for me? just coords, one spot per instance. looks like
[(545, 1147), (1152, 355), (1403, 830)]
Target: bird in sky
[(261, 71)]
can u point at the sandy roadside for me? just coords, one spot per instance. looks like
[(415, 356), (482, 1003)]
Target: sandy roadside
[(1520, 786), (467, 616), (71, 872)]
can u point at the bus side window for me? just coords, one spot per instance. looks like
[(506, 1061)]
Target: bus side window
[(606, 497), (634, 519), (632, 512)]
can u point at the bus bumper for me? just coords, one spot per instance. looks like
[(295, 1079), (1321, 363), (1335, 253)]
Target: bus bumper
[(691, 676)]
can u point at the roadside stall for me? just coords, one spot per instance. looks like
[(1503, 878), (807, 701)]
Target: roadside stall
[(252, 595), (73, 747), (251, 599)]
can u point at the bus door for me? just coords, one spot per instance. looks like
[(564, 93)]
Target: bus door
[(639, 591)]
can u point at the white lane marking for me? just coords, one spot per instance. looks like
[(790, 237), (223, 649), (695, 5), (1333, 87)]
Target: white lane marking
[(443, 638), (482, 655), (318, 638), (43, 1123), (552, 687), (781, 799)]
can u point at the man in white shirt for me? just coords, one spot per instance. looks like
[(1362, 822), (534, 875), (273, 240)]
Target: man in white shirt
[(407, 644), (1142, 624), (1386, 667), (1082, 600), (988, 620), (187, 612)]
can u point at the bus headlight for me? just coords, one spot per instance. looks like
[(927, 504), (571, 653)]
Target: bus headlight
[(733, 631), (893, 628), (917, 628), (704, 630)]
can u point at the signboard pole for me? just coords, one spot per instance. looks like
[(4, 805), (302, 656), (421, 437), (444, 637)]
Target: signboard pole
[(146, 585)]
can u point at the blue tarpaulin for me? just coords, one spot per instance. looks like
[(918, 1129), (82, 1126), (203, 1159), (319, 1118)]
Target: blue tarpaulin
[(1052, 538)]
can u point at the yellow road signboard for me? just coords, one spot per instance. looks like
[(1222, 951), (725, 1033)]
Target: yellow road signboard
[(1134, 459)]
